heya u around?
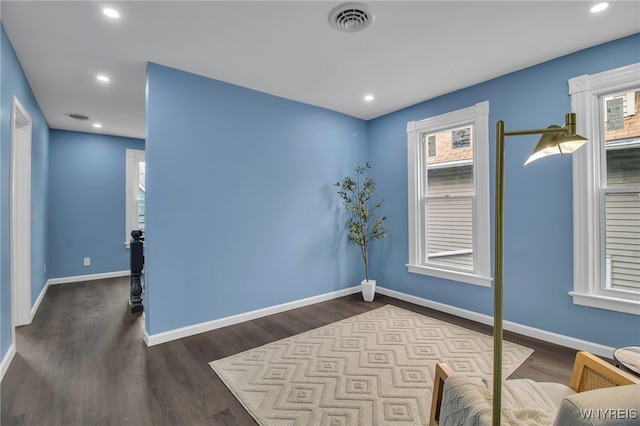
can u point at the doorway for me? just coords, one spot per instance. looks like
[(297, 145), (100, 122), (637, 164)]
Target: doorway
[(20, 215)]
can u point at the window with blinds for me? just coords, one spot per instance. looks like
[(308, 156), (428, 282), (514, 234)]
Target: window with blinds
[(448, 181), (606, 190)]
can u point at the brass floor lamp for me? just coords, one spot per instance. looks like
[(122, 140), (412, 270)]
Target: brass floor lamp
[(554, 140)]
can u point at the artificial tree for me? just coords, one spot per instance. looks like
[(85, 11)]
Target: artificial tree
[(364, 227)]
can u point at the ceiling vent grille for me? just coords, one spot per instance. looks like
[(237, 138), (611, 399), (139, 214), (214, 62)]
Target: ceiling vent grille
[(79, 117), (350, 17)]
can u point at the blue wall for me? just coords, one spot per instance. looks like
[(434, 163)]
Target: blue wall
[(14, 83), (87, 203), (538, 201), (241, 211)]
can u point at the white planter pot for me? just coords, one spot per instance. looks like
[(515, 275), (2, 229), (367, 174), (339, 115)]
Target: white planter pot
[(368, 290)]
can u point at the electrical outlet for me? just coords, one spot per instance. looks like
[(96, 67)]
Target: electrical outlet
[(87, 261)]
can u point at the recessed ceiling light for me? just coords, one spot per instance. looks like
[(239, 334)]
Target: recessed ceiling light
[(97, 125), (103, 78), (599, 7), (368, 98), (111, 13)]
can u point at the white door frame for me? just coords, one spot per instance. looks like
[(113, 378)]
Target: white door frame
[(20, 216)]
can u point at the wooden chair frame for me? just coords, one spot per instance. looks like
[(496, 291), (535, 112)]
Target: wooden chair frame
[(443, 371), (589, 373)]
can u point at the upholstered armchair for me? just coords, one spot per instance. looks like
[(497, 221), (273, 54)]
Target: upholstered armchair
[(598, 393)]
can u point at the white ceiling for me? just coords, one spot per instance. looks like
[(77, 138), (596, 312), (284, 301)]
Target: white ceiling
[(414, 51)]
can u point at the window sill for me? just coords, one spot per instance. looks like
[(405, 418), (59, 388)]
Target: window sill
[(451, 275), (606, 302)]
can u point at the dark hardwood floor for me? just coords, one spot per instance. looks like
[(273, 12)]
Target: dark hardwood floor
[(83, 362)]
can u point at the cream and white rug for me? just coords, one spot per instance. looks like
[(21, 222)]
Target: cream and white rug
[(375, 368)]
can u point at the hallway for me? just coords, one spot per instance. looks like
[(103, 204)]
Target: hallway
[(82, 361)]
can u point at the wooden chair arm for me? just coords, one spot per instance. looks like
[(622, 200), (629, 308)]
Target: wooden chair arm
[(591, 372), (442, 373)]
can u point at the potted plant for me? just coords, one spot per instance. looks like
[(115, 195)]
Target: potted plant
[(362, 224)]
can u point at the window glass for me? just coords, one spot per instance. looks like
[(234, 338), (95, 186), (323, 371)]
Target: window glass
[(449, 232), (622, 242), (135, 193), (621, 129), (449, 202), (140, 199)]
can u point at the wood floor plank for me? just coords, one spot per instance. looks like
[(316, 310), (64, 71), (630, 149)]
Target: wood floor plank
[(82, 361)]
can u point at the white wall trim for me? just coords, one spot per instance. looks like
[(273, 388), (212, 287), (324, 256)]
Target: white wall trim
[(179, 333), (20, 215), (6, 361), (604, 302), (536, 333), (36, 305), (589, 267), (451, 275), (478, 116), (91, 277)]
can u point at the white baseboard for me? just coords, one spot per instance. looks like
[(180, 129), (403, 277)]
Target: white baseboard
[(547, 336), (36, 305), (91, 277), (156, 339), (6, 360), (536, 333)]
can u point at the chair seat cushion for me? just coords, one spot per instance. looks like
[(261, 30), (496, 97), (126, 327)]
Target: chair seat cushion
[(467, 401)]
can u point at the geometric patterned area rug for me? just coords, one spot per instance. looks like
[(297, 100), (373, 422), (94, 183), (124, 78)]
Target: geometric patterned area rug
[(375, 368)]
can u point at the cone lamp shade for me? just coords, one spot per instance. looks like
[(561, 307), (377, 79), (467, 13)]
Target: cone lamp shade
[(556, 143)]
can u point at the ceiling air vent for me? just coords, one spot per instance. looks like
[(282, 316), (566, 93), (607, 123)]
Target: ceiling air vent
[(79, 117), (350, 17)]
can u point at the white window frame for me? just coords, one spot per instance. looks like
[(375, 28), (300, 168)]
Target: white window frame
[(134, 157), (478, 116), (589, 268)]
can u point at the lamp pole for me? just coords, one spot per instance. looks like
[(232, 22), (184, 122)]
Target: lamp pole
[(498, 273), (566, 134)]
